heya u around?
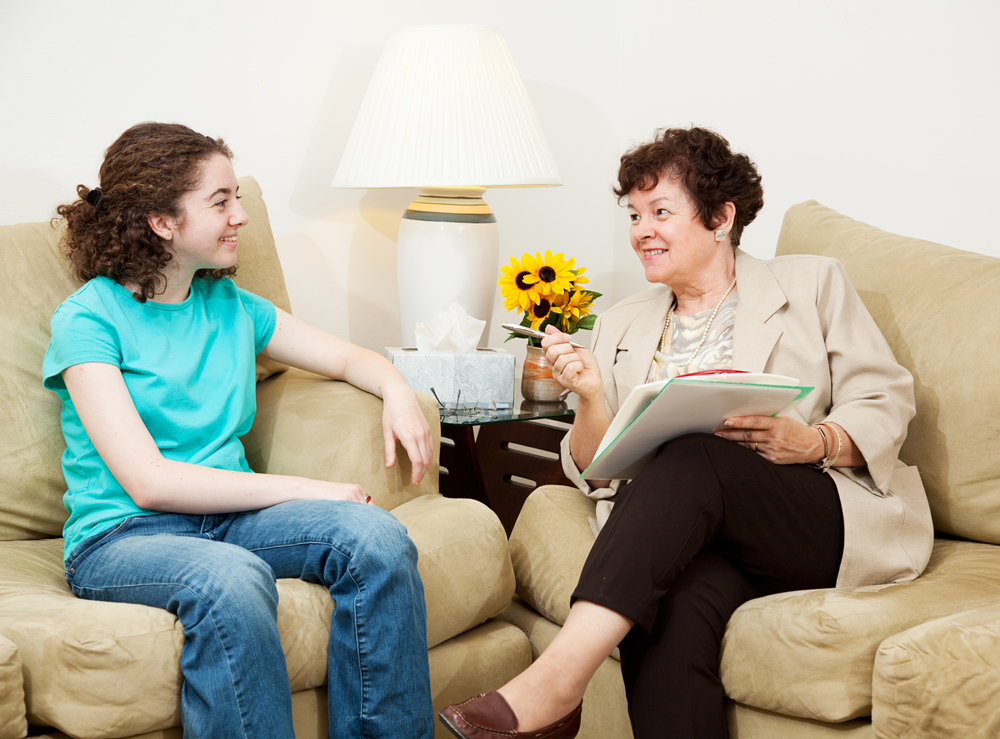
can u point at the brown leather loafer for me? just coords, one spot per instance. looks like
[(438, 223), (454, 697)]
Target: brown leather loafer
[(489, 716)]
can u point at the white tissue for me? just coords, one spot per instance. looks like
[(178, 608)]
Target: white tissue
[(451, 330)]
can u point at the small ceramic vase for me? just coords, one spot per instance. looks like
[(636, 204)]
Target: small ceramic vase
[(537, 382)]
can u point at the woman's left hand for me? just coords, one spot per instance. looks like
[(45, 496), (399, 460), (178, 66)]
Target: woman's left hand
[(781, 440), (403, 421)]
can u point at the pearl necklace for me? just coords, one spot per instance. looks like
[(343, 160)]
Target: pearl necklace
[(704, 334)]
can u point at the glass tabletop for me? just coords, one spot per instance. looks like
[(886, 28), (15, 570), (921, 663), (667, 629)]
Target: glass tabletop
[(523, 410)]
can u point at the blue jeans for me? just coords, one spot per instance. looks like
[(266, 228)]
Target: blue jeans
[(217, 575)]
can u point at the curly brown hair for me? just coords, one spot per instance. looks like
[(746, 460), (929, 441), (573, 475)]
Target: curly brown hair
[(148, 169), (702, 162)]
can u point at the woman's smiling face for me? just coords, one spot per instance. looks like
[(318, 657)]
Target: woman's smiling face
[(672, 243)]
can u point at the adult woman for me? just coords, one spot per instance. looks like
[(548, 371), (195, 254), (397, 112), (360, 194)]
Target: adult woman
[(153, 359), (717, 519)]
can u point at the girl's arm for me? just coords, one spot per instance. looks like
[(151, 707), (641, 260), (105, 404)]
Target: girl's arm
[(301, 345), (110, 419)]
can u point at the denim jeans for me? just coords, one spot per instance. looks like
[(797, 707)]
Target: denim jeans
[(217, 575)]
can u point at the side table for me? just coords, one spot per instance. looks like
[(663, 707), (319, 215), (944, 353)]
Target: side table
[(516, 451)]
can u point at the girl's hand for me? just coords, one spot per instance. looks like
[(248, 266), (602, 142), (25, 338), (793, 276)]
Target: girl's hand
[(337, 491), (574, 368), (781, 440), (403, 421)]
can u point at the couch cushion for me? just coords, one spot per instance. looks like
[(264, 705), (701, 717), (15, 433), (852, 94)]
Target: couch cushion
[(112, 669), (937, 308), (259, 269), (941, 679), (811, 653), (478, 661), (34, 280), (753, 723), (13, 724)]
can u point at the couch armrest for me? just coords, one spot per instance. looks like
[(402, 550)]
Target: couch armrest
[(940, 679), (327, 430), (13, 722), (548, 547), (464, 564)]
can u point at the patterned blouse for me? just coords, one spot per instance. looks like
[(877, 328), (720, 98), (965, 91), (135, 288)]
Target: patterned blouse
[(683, 337)]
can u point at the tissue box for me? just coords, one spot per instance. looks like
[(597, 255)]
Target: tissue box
[(484, 376)]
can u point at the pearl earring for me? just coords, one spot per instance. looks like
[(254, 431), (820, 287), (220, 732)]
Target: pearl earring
[(720, 234)]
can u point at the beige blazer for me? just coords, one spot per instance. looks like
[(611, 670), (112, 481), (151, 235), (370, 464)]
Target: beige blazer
[(799, 315)]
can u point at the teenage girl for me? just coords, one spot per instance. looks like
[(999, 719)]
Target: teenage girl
[(153, 359)]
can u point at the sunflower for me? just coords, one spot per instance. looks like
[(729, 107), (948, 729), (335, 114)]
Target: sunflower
[(573, 306), (553, 274), (578, 278), (546, 291), (540, 311), (518, 286)]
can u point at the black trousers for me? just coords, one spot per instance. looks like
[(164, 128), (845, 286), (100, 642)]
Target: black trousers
[(705, 527)]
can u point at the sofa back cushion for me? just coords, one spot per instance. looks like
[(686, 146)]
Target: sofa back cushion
[(938, 308), (35, 279)]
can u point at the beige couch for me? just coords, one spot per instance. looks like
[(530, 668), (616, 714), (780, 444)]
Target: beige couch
[(918, 659), (91, 669)]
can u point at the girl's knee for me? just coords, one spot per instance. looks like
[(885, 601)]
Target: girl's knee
[(242, 578), (387, 539)]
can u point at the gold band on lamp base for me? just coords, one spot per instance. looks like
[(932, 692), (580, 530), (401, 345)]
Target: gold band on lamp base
[(455, 200)]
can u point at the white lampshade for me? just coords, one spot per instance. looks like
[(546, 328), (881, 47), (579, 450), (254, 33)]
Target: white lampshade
[(446, 112), (446, 108)]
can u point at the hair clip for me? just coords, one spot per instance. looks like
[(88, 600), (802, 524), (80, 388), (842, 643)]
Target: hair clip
[(96, 198)]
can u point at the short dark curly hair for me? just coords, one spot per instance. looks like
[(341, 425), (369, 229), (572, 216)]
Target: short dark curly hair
[(148, 169), (704, 165)]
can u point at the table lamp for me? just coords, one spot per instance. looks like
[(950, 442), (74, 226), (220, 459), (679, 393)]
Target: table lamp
[(447, 113)]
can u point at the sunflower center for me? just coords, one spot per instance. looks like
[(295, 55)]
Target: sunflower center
[(520, 282), (546, 274), (542, 308)]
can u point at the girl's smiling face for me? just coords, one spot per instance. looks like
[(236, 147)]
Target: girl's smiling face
[(205, 234)]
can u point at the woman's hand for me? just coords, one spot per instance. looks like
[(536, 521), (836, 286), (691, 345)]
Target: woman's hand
[(574, 368), (781, 440), (403, 421)]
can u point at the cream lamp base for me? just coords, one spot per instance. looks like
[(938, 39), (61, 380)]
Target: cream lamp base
[(448, 251)]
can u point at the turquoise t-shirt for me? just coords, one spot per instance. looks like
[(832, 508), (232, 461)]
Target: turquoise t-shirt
[(189, 368)]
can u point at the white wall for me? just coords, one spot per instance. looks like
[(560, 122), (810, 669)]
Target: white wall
[(882, 110)]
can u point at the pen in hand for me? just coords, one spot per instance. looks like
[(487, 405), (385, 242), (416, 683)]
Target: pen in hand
[(534, 333)]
